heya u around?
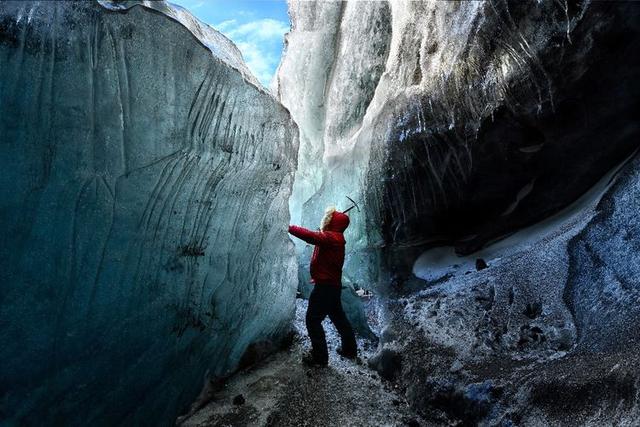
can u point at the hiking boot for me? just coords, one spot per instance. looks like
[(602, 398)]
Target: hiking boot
[(312, 362), (348, 355)]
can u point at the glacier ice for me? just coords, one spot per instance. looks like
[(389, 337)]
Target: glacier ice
[(143, 202), (453, 122), (327, 79), (219, 45), (146, 179), (456, 125)]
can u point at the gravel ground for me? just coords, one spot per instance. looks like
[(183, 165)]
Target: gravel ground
[(280, 391)]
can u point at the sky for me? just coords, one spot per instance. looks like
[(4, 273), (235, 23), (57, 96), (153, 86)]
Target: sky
[(257, 27)]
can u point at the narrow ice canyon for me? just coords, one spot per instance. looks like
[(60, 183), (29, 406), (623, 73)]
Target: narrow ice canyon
[(148, 179)]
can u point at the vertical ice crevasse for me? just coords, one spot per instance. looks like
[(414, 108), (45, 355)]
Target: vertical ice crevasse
[(435, 115)]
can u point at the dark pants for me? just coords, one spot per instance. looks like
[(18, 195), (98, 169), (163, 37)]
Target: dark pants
[(325, 301)]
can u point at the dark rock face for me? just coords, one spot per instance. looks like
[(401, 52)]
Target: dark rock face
[(470, 404), (490, 117), (387, 362), (487, 117), (547, 336), (481, 264), (484, 152)]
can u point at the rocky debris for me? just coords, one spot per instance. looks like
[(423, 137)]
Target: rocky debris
[(533, 310), (490, 348), (547, 336), (470, 403), (211, 387), (280, 391), (603, 290), (481, 264), (387, 362), (530, 335), (364, 293)]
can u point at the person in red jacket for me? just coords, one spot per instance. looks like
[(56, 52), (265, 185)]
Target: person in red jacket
[(326, 274)]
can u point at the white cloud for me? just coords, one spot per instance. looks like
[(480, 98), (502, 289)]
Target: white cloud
[(260, 42), (259, 62), (224, 25), (262, 29)]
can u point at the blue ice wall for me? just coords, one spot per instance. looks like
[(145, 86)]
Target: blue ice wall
[(143, 207)]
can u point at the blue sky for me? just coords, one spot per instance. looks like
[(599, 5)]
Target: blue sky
[(257, 27)]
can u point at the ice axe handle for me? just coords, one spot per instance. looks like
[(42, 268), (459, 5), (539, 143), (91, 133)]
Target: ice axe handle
[(355, 205)]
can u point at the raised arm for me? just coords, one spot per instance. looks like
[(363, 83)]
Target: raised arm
[(312, 237)]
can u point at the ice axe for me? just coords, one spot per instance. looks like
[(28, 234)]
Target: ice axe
[(355, 205)]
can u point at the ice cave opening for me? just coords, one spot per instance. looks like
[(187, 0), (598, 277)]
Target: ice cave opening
[(148, 179)]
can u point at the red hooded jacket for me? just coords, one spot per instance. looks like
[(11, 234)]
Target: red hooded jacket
[(328, 254)]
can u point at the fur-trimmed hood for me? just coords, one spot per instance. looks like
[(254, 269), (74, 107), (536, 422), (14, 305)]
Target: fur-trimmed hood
[(338, 222)]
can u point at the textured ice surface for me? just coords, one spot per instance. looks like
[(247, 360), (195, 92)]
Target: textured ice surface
[(143, 204), (454, 122), (457, 123), (603, 291), (328, 98), (552, 324), (283, 392), (442, 262), (221, 47)]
